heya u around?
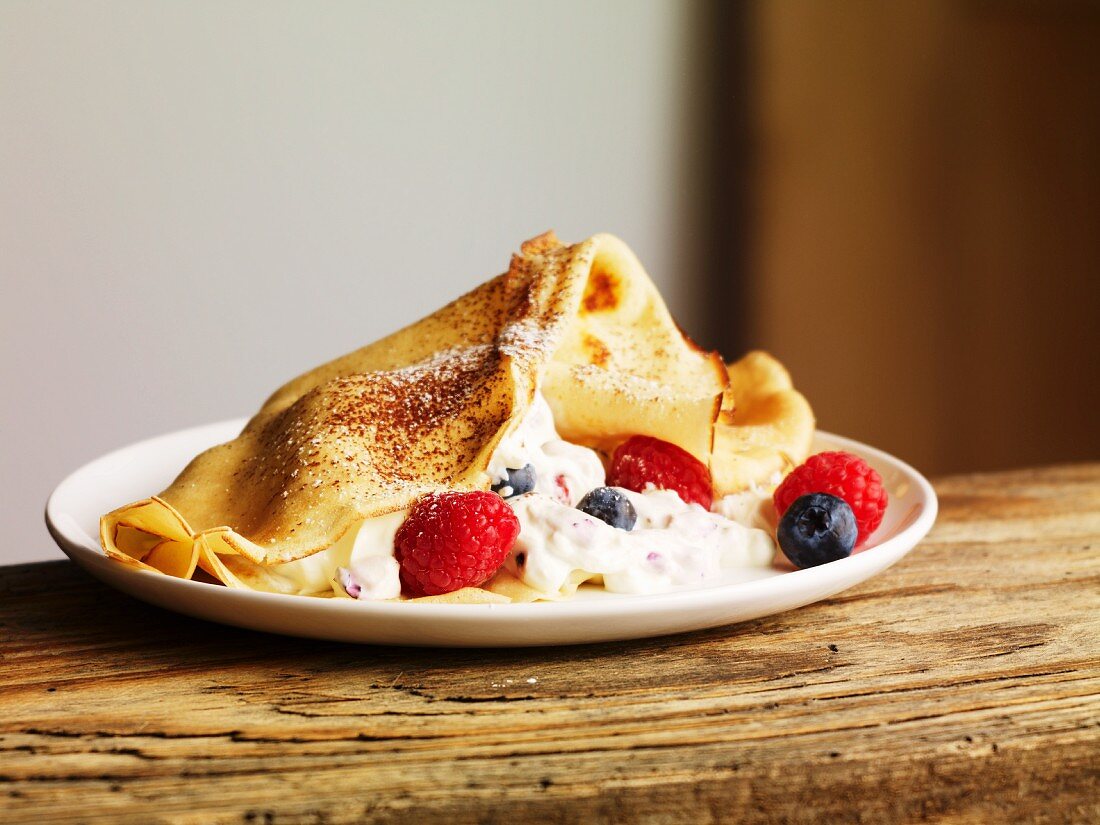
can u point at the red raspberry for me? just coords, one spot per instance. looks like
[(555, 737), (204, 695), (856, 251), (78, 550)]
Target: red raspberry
[(453, 540), (842, 475), (642, 460)]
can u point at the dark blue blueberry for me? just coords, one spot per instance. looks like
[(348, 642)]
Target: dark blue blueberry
[(816, 529), (516, 482), (611, 506)]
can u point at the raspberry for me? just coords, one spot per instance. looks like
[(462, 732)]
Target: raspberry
[(642, 460), (453, 540), (838, 474)]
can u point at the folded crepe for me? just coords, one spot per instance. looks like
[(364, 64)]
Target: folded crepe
[(422, 411), (764, 430)]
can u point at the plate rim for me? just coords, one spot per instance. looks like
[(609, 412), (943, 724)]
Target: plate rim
[(77, 549)]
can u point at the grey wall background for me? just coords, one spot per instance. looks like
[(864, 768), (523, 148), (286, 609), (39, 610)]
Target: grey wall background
[(200, 200)]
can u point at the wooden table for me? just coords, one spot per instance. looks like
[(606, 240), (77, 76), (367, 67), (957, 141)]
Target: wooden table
[(963, 685)]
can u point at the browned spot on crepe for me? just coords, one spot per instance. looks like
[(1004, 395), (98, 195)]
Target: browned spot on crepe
[(597, 352), (602, 293)]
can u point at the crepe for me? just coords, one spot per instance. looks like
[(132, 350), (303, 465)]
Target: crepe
[(422, 411), (765, 428)]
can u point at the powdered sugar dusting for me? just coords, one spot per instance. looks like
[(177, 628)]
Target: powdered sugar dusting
[(362, 443)]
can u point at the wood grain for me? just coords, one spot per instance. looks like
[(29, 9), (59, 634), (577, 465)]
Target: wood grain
[(963, 685)]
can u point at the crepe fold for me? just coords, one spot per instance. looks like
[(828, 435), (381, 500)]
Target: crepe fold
[(423, 409)]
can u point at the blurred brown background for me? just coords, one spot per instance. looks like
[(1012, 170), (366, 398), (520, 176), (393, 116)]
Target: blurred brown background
[(906, 211)]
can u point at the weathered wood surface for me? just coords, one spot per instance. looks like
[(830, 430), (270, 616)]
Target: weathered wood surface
[(963, 685)]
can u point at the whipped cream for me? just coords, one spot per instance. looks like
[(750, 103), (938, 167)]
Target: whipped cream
[(752, 508), (673, 544), (362, 560), (563, 471), (371, 578)]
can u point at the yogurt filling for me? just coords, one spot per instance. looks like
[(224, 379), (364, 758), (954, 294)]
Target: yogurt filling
[(673, 544), (360, 565), (563, 471)]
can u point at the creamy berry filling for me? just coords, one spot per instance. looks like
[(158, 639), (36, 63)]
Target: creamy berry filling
[(563, 471), (673, 544), (360, 565)]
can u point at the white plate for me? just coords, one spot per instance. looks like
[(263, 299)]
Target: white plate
[(134, 472)]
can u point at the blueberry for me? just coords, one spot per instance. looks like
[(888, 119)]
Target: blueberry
[(611, 506), (816, 529), (516, 482)]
